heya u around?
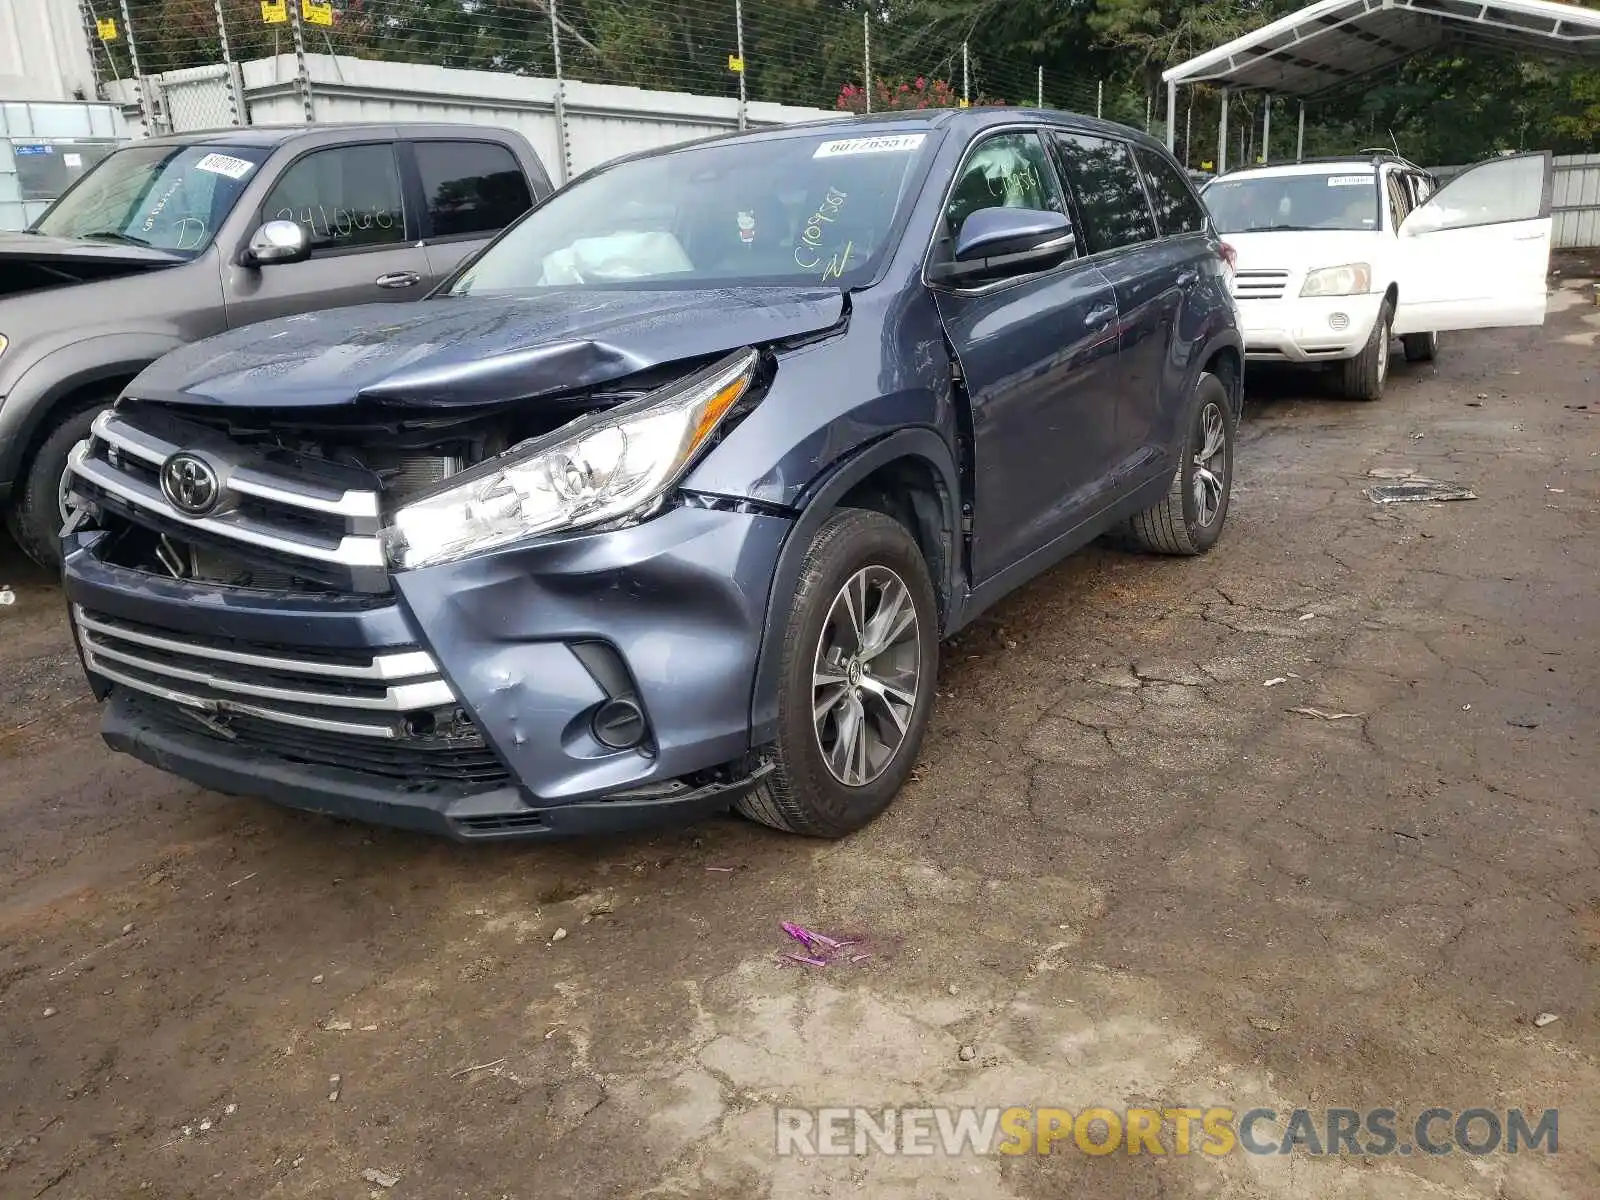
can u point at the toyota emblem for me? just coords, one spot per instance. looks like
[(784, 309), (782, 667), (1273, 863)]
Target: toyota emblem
[(190, 485)]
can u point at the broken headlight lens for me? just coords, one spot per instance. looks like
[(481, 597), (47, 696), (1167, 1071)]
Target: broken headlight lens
[(1352, 279), (598, 468)]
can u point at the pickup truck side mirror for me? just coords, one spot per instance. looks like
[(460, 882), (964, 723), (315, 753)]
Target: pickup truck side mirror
[(277, 242)]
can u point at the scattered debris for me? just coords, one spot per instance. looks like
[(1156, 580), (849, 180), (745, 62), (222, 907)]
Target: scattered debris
[(369, 1029), (127, 929), (953, 989), (335, 1082), (558, 934), (1276, 680), (1556, 491), (230, 1110), (1307, 616), (488, 1066), (966, 1054), (722, 868), (382, 1178), (1416, 489), (1545, 1018), (1326, 716), (49, 1012), (1265, 1024), (1522, 723), (820, 948), (1483, 395), (1392, 473), (316, 979), (337, 1025), (1011, 644), (7, 597), (1466, 708)]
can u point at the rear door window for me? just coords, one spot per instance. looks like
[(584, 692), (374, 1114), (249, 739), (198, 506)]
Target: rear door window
[(345, 198), (1101, 170), (1177, 208), (470, 187)]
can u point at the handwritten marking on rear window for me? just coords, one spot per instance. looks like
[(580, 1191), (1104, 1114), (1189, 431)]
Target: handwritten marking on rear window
[(900, 143), (1349, 180)]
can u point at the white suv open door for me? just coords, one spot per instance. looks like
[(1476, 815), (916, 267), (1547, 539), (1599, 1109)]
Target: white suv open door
[(1477, 253)]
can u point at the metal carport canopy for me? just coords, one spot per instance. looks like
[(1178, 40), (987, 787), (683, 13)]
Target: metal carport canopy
[(1335, 43)]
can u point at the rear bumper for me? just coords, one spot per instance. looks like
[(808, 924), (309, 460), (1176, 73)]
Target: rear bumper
[(532, 641), (1313, 329)]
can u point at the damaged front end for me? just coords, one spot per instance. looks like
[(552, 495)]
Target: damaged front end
[(455, 619)]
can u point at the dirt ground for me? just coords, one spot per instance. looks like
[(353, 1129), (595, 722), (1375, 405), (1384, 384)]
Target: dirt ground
[(1127, 873)]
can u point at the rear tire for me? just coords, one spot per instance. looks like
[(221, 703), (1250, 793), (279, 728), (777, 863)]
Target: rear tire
[(1363, 377), (1189, 519), (35, 518), (856, 681), (1420, 347)]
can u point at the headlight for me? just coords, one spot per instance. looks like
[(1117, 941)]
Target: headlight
[(1352, 279), (3, 343), (598, 468)]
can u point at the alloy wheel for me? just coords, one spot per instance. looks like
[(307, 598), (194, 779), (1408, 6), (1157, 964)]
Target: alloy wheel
[(1210, 462), (866, 675)]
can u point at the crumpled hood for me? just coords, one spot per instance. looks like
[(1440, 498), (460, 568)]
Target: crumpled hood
[(475, 350), (1298, 251), (36, 248)]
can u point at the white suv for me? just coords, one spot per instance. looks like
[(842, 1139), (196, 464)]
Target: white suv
[(1335, 257)]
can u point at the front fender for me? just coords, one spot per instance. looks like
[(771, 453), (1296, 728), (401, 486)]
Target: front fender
[(820, 501), (26, 408)]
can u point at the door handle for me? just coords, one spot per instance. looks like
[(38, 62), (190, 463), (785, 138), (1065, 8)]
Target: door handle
[(1100, 315), (398, 279)]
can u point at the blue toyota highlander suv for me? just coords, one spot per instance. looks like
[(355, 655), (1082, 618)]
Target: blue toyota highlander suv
[(663, 503)]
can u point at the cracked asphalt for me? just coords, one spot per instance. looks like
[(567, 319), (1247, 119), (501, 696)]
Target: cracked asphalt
[(1128, 871)]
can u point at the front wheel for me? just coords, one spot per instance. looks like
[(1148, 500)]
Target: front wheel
[(1363, 377), (1188, 520), (38, 509), (856, 683)]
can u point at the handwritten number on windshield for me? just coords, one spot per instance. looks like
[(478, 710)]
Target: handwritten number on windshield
[(808, 255)]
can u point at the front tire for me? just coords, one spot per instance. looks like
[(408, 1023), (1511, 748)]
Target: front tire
[(1189, 519), (1363, 377), (856, 682), (36, 515)]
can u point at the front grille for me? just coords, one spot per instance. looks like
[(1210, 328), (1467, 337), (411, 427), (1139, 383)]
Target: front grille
[(1260, 285), (386, 696), (306, 516)]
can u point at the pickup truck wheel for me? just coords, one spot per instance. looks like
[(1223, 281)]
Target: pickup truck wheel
[(1189, 519), (36, 515), (1362, 377), (1420, 347), (856, 682)]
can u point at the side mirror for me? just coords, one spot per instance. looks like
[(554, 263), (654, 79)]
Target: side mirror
[(1009, 241), (277, 242)]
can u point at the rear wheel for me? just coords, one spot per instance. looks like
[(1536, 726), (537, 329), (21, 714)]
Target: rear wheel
[(1189, 519), (856, 680), (38, 510), (1420, 347), (1363, 377)]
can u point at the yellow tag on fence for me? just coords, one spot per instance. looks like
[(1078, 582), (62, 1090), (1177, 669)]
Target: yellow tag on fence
[(965, 104), (107, 29), (274, 12), (317, 13), (735, 63)]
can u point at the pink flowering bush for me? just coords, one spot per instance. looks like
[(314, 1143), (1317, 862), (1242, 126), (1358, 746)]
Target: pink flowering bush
[(894, 95)]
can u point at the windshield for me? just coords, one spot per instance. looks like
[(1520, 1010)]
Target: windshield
[(170, 198), (1265, 202), (796, 210)]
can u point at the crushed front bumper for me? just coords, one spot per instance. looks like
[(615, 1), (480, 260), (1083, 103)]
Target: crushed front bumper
[(1307, 330), (515, 656)]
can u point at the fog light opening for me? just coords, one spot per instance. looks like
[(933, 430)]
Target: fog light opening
[(619, 724)]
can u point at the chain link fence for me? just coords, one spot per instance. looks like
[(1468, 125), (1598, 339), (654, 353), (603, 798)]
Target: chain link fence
[(830, 54)]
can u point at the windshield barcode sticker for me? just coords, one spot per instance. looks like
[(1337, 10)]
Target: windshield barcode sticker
[(902, 143), (1349, 180), (225, 164)]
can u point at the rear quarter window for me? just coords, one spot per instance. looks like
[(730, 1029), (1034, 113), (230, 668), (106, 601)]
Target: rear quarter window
[(1177, 208), (471, 187)]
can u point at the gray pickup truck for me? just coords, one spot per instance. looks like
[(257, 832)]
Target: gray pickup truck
[(177, 238)]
